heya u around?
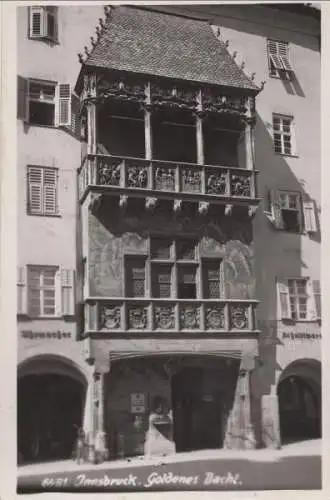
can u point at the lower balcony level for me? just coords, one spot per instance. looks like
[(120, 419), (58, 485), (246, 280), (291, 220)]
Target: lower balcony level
[(116, 316)]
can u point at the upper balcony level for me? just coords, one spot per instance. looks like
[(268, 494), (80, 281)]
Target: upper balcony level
[(171, 141), (155, 180)]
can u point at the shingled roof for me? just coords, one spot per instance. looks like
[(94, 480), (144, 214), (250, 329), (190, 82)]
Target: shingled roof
[(154, 43)]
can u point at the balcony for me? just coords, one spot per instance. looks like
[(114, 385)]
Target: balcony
[(140, 316), (154, 179)]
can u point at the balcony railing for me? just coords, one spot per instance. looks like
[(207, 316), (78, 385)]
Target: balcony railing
[(170, 316), (124, 175)]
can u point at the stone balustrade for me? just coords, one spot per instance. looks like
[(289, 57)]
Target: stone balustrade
[(126, 176), (169, 315)]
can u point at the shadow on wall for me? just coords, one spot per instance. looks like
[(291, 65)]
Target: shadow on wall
[(277, 255)]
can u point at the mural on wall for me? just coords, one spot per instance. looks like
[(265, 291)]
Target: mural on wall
[(127, 233)]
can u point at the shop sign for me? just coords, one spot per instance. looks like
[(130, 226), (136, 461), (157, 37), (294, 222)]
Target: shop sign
[(301, 336), (138, 404), (29, 334)]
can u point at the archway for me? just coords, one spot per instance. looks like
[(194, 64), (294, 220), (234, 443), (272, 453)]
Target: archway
[(202, 397), (50, 400), (299, 395)]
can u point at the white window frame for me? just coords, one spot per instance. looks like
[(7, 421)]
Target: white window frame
[(283, 298), (277, 207), (42, 288), (278, 59), (44, 13), (282, 132), (46, 190)]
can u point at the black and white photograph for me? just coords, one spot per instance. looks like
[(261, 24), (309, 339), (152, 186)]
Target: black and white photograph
[(168, 179)]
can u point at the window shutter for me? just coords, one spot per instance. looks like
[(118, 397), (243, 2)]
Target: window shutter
[(35, 190), (311, 305), (317, 298), (22, 98), (37, 20), (309, 217), (49, 195), (22, 303), (284, 300), (67, 292), (276, 209), (63, 105), (58, 293)]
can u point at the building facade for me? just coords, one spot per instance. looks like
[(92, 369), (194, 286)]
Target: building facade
[(185, 305)]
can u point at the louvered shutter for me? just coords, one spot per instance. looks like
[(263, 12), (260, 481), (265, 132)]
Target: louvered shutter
[(49, 191), (309, 216), (63, 105), (276, 209), (22, 98), (311, 305), (37, 22), (284, 309), (67, 292), (35, 190), (22, 302), (58, 293), (317, 298)]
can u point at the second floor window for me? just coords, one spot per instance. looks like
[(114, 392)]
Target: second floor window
[(42, 191), (41, 291), (283, 134), (278, 59), (45, 291), (50, 104), (291, 214), (173, 270), (299, 299), (43, 23)]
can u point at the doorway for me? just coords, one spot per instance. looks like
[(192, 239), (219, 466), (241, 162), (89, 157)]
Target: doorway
[(300, 412), (50, 409), (196, 410)]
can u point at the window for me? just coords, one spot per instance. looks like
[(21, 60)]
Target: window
[(135, 277), (44, 291), (211, 279), (41, 103), (299, 299), (283, 134), (49, 104), (278, 59), (173, 270), (42, 191), (41, 291), (288, 212), (43, 23), (187, 282)]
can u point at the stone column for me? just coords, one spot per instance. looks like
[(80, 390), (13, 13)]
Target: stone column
[(92, 128), (148, 124), (270, 421), (101, 452), (240, 432), (199, 130)]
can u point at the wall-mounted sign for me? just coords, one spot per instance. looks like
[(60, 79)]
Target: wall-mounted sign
[(29, 334), (138, 403), (301, 336)]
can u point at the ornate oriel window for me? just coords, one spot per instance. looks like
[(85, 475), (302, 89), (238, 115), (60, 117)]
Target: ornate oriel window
[(173, 269)]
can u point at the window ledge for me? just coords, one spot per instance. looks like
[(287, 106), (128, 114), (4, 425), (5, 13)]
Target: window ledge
[(290, 155), (289, 321), (58, 216), (27, 317)]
